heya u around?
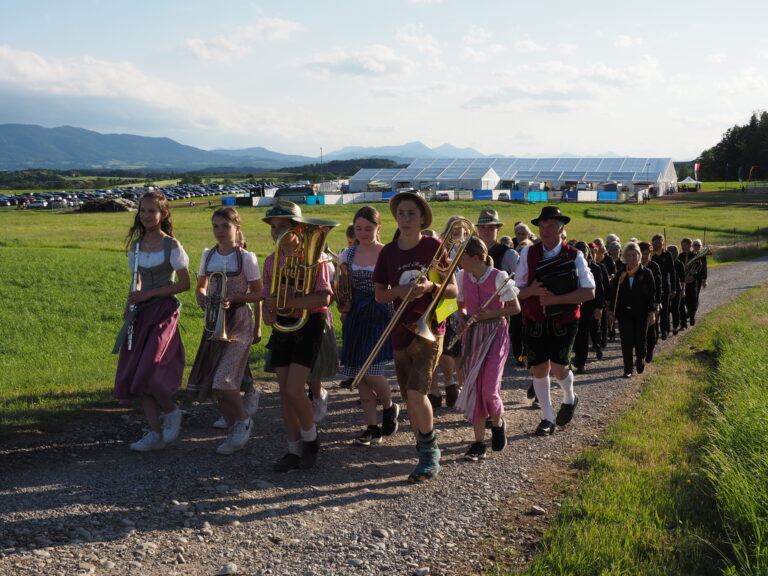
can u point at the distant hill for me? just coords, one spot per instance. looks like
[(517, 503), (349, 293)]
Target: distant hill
[(24, 146), (403, 153)]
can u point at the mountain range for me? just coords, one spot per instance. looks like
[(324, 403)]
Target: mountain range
[(26, 146)]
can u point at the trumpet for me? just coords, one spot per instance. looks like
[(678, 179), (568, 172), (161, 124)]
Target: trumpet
[(421, 326), (473, 319), (299, 269), (215, 312), (342, 281)]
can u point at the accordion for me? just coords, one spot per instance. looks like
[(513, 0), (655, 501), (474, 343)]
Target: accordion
[(560, 276)]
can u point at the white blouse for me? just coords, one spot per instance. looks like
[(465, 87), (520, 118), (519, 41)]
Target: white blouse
[(218, 262), (179, 258), (508, 294)]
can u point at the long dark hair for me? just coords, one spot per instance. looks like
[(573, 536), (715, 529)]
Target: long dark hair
[(166, 223), (233, 217), (372, 215)]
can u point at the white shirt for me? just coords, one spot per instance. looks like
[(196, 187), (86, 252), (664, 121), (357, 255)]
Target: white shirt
[(217, 264), (179, 258), (508, 294), (586, 280)]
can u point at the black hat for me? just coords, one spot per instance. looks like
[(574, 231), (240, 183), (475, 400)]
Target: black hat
[(550, 213)]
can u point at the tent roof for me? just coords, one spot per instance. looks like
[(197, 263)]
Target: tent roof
[(689, 180)]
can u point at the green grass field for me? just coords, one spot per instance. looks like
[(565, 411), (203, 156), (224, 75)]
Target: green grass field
[(680, 484), (65, 279)]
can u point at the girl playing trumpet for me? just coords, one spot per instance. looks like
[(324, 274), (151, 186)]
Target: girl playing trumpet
[(488, 296), (220, 365)]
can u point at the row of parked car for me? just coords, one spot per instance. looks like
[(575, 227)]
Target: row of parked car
[(54, 200)]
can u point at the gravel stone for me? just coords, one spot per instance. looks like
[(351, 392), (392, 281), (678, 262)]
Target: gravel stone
[(80, 501)]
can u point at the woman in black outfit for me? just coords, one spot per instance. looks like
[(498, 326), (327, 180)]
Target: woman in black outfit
[(632, 301)]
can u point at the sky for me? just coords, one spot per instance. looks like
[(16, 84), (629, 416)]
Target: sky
[(507, 77)]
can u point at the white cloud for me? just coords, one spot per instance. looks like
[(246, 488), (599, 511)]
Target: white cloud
[(747, 82), (374, 60), (413, 35), (527, 45), (119, 85), (242, 40), (624, 41), (478, 45), (567, 49), (717, 58)]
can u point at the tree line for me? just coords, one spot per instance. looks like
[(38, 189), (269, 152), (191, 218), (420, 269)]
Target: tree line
[(741, 154)]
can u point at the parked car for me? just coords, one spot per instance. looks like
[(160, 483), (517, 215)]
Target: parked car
[(442, 197), (504, 196), (38, 204)]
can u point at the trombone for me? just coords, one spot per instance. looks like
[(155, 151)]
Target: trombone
[(421, 327)]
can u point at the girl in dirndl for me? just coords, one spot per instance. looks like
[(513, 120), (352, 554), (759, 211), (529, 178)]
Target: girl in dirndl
[(364, 322), (488, 298), (220, 365), (152, 357)]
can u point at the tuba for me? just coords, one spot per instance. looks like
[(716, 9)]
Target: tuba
[(695, 264), (215, 313), (299, 270)]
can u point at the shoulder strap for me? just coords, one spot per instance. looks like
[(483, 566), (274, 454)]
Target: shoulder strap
[(167, 247)]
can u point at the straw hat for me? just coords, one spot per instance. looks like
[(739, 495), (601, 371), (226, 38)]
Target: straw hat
[(426, 211)]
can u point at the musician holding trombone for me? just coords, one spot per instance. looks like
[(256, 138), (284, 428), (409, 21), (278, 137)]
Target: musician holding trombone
[(399, 278), (551, 317)]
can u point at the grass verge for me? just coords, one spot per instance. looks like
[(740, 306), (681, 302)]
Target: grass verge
[(680, 485)]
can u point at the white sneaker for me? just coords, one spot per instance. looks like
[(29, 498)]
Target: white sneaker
[(221, 423), (238, 437), (251, 402), (320, 406), (171, 425), (150, 441)]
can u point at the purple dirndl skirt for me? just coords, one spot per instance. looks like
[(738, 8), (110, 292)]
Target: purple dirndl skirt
[(155, 365)]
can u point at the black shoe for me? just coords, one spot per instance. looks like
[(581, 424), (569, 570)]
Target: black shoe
[(693, 321), (649, 357), (531, 393), (598, 353), (612, 335), (545, 428), (640, 366), (346, 383), (663, 335), (675, 331), (565, 414), (309, 452), (389, 416), (451, 394), (580, 369), (436, 400), (287, 463), (498, 436), (476, 452), (628, 374), (371, 435)]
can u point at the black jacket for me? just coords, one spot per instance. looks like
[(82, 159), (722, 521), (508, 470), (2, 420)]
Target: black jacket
[(657, 277), (669, 276), (637, 300)]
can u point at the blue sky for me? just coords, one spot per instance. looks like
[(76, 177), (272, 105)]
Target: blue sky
[(504, 77)]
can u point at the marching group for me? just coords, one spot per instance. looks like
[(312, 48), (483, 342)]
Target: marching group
[(480, 298)]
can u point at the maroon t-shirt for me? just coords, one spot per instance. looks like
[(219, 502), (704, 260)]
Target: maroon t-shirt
[(395, 267)]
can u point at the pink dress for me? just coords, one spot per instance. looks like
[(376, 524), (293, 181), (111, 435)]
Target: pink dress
[(487, 346)]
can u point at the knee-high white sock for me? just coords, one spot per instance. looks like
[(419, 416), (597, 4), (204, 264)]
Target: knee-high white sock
[(541, 386), (569, 397)]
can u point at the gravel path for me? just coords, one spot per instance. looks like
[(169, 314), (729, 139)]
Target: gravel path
[(82, 503)]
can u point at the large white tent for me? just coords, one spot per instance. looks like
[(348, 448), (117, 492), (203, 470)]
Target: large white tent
[(493, 173)]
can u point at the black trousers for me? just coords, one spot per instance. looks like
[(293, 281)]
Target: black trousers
[(589, 328), (633, 331), (690, 304), (664, 314), (516, 335), (674, 307)]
